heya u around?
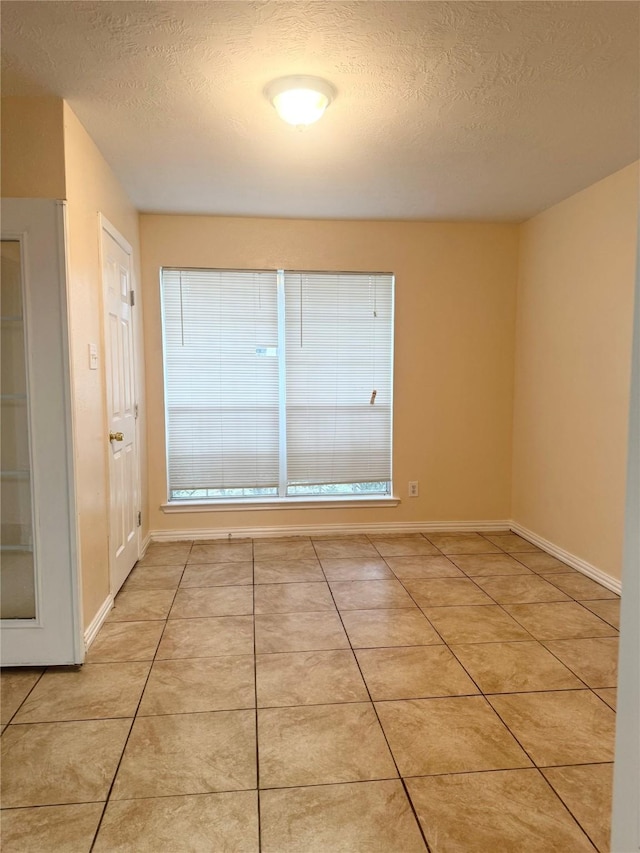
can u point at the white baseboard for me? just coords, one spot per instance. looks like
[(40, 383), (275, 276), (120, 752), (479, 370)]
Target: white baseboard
[(96, 622), (571, 560), (145, 544), (578, 563), (328, 529)]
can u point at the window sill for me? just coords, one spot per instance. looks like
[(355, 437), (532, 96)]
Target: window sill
[(279, 503)]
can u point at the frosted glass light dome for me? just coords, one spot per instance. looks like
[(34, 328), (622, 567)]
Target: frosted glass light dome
[(300, 100)]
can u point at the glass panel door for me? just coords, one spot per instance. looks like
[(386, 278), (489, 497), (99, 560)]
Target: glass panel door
[(40, 617), (17, 577)]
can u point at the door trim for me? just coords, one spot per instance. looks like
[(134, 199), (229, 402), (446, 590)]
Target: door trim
[(106, 226), (42, 232)]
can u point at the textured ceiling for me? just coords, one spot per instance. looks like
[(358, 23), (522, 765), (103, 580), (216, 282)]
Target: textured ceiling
[(445, 110)]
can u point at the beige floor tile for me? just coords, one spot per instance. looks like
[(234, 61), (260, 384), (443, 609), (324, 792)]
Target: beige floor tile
[(299, 632), (587, 791), (543, 564), (166, 554), (364, 817), (595, 661), (203, 684), (481, 565), (50, 829), (123, 641), (221, 552), (193, 638), (453, 735), (287, 549), (413, 672), (607, 610), (356, 569), (308, 678), (514, 667), (505, 811), (442, 592), (419, 567), (462, 543), (403, 546), (565, 727), (368, 595), (292, 597), (137, 605), (521, 589), (561, 620), (207, 823), (15, 684), (57, 763), (608, 695), (380, 628), (154, 577), (321, 744), (97, 690), (481, 624), (284, 571), (217, 574), (511, 542), (331, 549), (188, 754), (580, 587), (212, 601)]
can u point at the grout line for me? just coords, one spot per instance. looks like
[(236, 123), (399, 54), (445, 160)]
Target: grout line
[(384, 734), (133, 720), (413, 808), (255, 691), (29, 692), (567, 806)]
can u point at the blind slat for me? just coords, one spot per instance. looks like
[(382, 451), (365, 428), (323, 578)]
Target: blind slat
[(339, 352), (221, 376), (221, 355)]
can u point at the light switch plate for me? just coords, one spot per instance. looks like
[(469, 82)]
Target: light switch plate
[(93, 357)]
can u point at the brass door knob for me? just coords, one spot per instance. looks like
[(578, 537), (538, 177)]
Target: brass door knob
[(116, 436)]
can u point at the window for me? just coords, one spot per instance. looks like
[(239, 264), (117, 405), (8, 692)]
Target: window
[(277, 384)]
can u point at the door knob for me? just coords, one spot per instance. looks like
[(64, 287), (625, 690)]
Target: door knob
[(116, 436)]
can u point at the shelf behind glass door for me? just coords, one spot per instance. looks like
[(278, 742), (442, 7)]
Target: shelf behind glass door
[(17, 578)]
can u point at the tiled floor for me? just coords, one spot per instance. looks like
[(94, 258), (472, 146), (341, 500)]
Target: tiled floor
[(382, 694)]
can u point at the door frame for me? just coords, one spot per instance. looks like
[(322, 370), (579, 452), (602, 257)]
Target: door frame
[(106, 226), (625, 825), (40, 225)]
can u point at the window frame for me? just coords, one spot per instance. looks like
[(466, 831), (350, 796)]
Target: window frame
[(281, 500)]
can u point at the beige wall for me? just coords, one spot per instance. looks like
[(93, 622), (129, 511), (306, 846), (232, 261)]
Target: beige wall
[(454, 350), (574, 326), (32, 148), (92, 189)]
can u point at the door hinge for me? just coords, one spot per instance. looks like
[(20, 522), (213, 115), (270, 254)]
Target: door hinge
[(132, 298), (139, 519), (135, 411)]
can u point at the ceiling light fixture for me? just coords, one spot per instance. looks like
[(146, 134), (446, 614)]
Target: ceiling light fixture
[(300, 100)]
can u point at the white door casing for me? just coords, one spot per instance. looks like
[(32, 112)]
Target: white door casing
[(54, 636), (121, 437), (625, 835)]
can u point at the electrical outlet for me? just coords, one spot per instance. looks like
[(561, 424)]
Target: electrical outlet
[(413, 489)]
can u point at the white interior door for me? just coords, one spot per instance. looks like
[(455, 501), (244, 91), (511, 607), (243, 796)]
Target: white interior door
[(119, 359), (40, 611)]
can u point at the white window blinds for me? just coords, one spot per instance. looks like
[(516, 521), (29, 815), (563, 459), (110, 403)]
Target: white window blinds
[(221, 378), (338, 366), (277, 383)]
